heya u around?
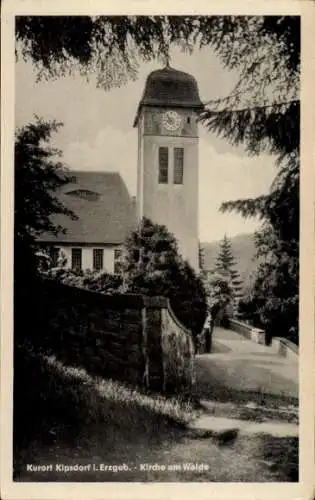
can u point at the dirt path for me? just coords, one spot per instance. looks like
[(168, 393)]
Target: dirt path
[(240, 369), (248, 459)]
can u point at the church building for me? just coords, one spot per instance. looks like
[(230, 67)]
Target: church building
[(167, 182)]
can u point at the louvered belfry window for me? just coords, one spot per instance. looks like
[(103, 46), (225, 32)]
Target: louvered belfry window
[(178, 165), (163, 165)]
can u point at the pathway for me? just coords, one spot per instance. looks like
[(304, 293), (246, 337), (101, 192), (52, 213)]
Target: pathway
[(241, 368)]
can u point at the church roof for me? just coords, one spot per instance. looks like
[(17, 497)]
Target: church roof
[(170, 87), (105, 210)]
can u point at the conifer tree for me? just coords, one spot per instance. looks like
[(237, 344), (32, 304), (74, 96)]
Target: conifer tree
[(201, 257), (225, 265)]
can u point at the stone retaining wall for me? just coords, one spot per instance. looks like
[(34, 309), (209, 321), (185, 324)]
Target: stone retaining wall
[(130, 338), (279, 345), (250, 332), (285, 348)]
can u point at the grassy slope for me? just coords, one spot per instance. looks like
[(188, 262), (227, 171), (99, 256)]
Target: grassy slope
[(81, 420)]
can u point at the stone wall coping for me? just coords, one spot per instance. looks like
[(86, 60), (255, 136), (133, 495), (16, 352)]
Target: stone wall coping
[(159, 302), (253, 333), (242, 323), (176, 321), (290, 345), (114, 301), (275, 341)]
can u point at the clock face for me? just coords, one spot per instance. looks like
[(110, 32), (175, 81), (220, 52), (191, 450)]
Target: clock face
[(171, 120)]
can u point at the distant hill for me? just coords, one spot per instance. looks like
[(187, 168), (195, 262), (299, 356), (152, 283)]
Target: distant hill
[(243, 248)]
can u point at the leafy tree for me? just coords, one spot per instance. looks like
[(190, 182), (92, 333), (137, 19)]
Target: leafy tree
[(220, 297), (225, 265), (152, 266), (38, 174), (220, 294)]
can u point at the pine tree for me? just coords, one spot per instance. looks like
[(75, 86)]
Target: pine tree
[(225, 265), (201, 257)]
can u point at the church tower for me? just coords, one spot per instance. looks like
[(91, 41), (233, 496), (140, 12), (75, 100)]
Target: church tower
[(167, 182)]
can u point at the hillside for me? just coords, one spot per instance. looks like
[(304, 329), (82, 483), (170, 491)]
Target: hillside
[(243, 249)]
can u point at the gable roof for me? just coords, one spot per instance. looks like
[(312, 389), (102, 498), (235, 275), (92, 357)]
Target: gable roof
[(105, 210)]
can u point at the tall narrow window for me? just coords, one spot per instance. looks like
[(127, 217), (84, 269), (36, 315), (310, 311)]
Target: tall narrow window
[(54, 256), (117, 260), (98, 256), (163, 165), (178, 165), (76, 260)]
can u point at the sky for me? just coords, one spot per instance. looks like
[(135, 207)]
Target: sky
[(98, 134)]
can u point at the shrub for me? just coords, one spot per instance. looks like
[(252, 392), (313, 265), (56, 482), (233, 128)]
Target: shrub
[(220, 296), (97, 281), (153, 266)]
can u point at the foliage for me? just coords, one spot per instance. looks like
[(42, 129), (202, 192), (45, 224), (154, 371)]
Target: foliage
[(273, 301), (60, 44), (38, 175), (269, 121), (225, 265), (105, 46), (97, 281), (279, 208), (263, 114), (262, 111), (201, 256), (219, 293), (275, 294), (154, 267)]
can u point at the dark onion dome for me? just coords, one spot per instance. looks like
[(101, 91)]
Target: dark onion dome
[(170, 87)]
